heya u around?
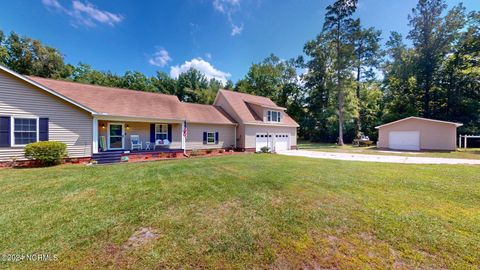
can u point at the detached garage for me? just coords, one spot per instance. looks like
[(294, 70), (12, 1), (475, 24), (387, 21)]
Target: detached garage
[(416, 133)]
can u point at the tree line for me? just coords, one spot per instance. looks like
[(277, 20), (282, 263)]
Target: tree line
[(346, 81), (28, 56)]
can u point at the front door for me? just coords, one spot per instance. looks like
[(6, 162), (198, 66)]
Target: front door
[(116, 139)]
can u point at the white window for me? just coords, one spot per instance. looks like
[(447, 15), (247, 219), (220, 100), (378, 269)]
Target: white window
[(24, 130), (161, 131), (273, 116), (210, 137)]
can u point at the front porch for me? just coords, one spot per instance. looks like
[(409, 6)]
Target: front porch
[(137, 136), (117, 139)]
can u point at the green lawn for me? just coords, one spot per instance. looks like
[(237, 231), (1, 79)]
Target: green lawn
[(469, 153), (244, 211)]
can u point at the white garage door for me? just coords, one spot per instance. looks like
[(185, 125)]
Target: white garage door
[(404, 140), (282, 142), (262, 140)]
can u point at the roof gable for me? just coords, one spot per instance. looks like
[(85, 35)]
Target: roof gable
[(46, 89), (421, 119), (240, 104)]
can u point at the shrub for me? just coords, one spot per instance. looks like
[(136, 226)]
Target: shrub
[(265, 149), (48, 153)]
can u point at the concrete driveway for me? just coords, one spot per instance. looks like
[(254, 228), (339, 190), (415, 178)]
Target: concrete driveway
[(378, 158)]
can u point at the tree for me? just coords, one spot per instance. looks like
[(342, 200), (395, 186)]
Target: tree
[(432, 36), (164, 83), (188, 83), (368, 55), (338, 29), (399, 84), (137, 81), (3, 50), (30, 57)]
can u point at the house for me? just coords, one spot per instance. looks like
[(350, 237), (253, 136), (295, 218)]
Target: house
[(99, 122), (416, 133)]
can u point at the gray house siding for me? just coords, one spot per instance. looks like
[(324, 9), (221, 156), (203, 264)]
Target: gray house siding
[(67, 123)]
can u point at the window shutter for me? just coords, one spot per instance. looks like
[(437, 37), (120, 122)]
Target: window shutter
[(216, 137), (204, 137), (5, 131), (43, 129), (170, 132), (152, 133)]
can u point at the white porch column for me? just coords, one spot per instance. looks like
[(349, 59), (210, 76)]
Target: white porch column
[(465, 143), (95, 136), (235, 137), (184, 142)]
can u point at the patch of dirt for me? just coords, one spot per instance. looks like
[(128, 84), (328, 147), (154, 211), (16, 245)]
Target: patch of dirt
[(141, 237)]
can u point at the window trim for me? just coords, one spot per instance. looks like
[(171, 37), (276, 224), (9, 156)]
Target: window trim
[(270, 116), (12, 128), (213, 136), (160, 133)]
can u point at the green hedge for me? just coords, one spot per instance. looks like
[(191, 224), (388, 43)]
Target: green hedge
[(48, 153)]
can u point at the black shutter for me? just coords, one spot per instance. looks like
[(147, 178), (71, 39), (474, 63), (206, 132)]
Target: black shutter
[(152, 133), (170, 133), (204, 137), (5, 131), (216, 137), (43, 129)]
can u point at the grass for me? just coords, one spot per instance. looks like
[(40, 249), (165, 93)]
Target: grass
[(244, 211), (469, 153)]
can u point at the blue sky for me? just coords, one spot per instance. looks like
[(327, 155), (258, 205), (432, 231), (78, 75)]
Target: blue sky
[(219, 37)]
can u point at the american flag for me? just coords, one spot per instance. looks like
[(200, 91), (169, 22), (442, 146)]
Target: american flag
[(185, 130)]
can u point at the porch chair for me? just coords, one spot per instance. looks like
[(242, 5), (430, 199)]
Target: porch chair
[(135, 142), (161, 143)]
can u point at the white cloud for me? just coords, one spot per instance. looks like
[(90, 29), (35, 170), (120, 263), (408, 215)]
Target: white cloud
[(160, 58), (236, 30), (208, 55), (52, 4), (228, 8), (85, 14), (201, 65)]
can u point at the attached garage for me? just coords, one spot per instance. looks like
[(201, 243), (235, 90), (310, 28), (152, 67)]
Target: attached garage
[(275, 142), (415, 133)]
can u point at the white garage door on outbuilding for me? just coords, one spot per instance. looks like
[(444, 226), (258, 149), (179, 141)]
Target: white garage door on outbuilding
[(404, 140)]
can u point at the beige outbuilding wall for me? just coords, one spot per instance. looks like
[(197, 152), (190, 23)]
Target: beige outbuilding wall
[(433, 135), (67, 123)]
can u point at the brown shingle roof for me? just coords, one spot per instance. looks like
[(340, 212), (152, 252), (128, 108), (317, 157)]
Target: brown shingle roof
[(200, 113), (239, 103), (117, 101)]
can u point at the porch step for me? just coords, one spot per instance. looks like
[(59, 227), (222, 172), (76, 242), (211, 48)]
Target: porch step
[(108, 157)]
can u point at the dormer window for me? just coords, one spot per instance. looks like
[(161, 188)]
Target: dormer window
[(273, 116)]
